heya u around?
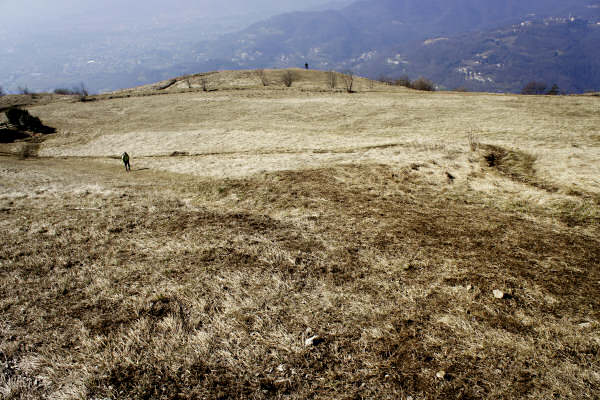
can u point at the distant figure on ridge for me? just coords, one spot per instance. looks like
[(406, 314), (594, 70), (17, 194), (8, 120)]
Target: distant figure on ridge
[(306, 65), (125, 158)]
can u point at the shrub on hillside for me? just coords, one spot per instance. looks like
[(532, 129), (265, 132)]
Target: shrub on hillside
[(423, 84), (554, 91), (22, 120), (80, 91), (386, 79), (348, 81), (403, 81), (332, 79), (534, 87), (63, 91), (262, 76), (288, 78)]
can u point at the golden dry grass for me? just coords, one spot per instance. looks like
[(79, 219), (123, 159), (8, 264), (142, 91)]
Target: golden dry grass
[(380, 222), (270, 123)]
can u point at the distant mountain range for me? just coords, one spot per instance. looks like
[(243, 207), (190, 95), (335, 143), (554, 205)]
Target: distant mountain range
[(562, 51), (476, 44), (485, 45)]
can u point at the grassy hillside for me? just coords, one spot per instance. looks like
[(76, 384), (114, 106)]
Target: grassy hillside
[(301, 242), (553, 51), (311, 124), (480, 45)]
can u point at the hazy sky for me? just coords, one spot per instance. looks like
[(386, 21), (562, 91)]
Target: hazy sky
[(27, 15), (47, 43)]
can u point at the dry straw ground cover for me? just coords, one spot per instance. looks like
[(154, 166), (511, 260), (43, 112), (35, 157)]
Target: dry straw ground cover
[(310, 245)]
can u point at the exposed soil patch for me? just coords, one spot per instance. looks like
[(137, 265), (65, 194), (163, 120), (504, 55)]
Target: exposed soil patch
[(517, 165)]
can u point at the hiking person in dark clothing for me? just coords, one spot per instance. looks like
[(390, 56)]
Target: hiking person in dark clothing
[(306, 65), (125, 158)]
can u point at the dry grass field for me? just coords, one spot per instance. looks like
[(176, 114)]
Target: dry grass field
[(302, 242)]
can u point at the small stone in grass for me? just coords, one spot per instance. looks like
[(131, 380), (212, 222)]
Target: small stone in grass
[(441, 374), (311, 340), (499, 294)]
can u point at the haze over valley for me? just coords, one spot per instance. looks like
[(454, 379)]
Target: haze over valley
[(478, 45), (113, 44)]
